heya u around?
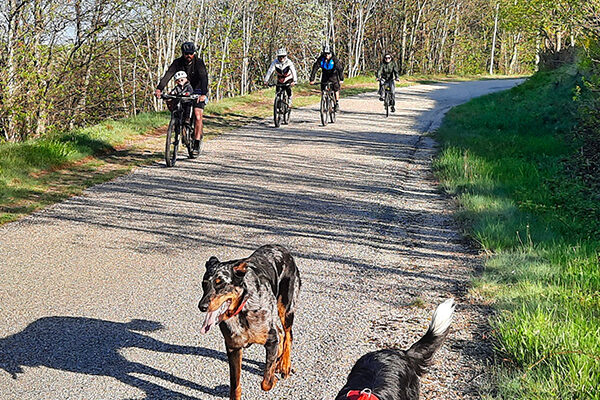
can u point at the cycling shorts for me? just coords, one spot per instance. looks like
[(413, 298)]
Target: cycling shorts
[(335, 84)]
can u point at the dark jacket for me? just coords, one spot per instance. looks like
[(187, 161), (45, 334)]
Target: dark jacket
[(335, 73), (196, 72), (388, 71), (184, 90)]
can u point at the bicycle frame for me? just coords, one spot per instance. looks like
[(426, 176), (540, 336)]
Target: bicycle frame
[(281, 109), (387, 100), (178, 131), (327, 104)]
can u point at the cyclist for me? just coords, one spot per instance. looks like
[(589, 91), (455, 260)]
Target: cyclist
[(286, 73), (387, 73), (331, 71), (194, 67)]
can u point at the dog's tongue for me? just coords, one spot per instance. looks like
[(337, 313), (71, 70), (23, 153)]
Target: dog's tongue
[(210, 320)]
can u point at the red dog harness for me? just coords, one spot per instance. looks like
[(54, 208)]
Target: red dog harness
[(365, 394)]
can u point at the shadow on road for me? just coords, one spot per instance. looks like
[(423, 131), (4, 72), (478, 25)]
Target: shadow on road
[(92, 347), (280, 185)]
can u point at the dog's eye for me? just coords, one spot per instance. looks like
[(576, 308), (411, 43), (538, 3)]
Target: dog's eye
[(218, 281)]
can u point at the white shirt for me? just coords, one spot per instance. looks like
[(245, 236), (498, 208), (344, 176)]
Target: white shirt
[(285, 70)]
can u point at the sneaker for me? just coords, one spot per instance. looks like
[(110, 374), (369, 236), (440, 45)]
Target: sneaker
[(380, 98), (393, 109), (196, 147)]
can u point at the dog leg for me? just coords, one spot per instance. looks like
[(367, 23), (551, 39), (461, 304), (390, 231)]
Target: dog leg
[(235, 369), (271, 347), (284, 363)]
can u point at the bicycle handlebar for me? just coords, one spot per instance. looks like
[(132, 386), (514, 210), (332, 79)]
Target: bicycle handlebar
[(180, 97)]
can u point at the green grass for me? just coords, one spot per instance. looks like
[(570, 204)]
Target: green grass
[(29, 171), (507, 157)]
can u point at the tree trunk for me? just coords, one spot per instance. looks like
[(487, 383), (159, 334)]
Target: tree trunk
[(494, 39)]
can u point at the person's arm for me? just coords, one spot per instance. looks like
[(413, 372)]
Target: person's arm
[(167, 76), (399, 67), (203, 83), (315, 68), (294, 73), (379, 71), (340, 69), (269, 72)]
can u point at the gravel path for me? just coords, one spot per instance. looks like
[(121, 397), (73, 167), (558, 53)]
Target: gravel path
[(99, 293)]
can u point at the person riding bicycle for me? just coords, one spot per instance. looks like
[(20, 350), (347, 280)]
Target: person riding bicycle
[(286, 73), (387, 73), (195, 69), (331, 72), (182, 88)]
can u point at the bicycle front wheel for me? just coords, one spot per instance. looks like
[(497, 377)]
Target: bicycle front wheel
[(172, 143), (332, 112), (276, 113), (387, 105), (324, 109), (285, 109)]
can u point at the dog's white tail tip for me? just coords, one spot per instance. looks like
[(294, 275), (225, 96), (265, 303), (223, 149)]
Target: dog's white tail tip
[(442, 317)]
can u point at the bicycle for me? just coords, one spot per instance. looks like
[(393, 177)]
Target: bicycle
[(327, 109), (388, 99), (281, 105), (179, 130)]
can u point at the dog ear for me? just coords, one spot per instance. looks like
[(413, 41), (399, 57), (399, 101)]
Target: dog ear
[(212, 262), (240, 269)]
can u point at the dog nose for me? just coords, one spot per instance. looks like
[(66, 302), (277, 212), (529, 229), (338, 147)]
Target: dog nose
[(203, 307)]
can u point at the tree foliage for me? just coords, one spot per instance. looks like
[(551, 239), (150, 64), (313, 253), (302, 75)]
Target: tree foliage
[(65, 64)]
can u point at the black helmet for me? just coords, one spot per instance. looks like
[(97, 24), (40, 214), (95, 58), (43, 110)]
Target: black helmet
[(188, 48)]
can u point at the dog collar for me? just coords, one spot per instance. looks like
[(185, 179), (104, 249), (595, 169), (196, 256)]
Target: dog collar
[(239, 309), (364, 394)]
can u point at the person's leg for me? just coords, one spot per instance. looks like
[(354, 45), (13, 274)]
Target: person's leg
[(198, 126), (336, 87), (198, 131), (288, 90), (381, 91)]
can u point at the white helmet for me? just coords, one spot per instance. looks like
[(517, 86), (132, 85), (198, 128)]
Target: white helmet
[(179, 75), (282, 52)]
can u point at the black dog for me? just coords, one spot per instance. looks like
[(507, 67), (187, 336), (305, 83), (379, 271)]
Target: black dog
[(253, 300), (394, 374)]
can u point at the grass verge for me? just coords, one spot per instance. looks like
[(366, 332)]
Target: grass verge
[(508, 159)]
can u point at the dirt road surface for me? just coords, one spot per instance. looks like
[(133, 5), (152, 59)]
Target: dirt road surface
[(99, 293)]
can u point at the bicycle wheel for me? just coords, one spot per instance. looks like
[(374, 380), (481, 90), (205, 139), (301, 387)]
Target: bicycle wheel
[(324, 109), (276, 113), (332, 112), (386, 104), (172, 143)]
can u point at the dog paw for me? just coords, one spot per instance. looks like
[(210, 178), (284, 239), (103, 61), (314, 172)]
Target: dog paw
[(267, 384)]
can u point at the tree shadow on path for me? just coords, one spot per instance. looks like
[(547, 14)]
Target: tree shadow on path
[(91, 346)]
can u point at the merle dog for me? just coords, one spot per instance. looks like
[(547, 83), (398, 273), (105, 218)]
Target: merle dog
[(394, 374), (253, 300)]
